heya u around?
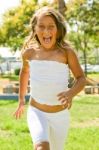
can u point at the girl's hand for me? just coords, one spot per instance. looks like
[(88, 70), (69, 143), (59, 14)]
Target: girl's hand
[(19, 111), (65, 98)]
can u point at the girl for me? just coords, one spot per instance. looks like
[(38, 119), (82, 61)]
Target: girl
[(47, 64)]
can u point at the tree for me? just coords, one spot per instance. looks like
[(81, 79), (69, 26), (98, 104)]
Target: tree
[(83, 19), (16, 25), (61, 5)]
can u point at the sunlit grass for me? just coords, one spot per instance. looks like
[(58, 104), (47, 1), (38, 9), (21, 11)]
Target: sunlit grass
[(94, 76), (83, 133), (11, 77)]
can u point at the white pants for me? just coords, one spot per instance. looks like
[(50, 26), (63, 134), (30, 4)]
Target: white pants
[(51, 127)]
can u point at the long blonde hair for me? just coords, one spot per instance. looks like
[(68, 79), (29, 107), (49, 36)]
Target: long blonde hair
[(59, 21)]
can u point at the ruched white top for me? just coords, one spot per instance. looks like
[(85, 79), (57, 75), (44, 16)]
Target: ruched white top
[(47, 79)]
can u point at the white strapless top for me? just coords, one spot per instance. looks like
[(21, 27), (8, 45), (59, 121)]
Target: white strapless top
[(47, 79)]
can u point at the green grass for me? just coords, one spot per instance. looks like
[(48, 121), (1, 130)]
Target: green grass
[(83, 133), (94, 76), (83, 139), (11, 77)]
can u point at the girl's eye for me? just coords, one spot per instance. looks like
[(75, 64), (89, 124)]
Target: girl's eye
[(41, 27), (51, 27)]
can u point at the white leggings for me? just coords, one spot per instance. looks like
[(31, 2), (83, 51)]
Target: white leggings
[(50, 127)]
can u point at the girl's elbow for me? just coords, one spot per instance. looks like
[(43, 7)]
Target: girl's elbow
[(84, 81)]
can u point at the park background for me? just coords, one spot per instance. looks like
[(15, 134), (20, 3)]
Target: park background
[(82, 21)]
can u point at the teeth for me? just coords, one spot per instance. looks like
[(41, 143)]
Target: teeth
[(47, 40)]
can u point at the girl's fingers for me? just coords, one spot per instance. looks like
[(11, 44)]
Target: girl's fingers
[(18, 113), (66, 103), (65, 100), (62, 97), (60, 94), (69, 105)]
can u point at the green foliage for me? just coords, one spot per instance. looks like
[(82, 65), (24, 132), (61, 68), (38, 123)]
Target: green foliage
[(84, 25), (16, 25), (17, 71), (83, 19), (10, 77), (80, 15)]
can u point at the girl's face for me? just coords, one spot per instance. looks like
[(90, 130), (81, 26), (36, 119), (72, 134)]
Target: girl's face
[(46, 31)]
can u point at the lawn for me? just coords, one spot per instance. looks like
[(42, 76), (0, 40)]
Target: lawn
[(10, 77), (83, 133), (94, 76)]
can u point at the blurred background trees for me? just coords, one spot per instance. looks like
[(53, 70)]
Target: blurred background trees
[(82, 20), (15, 26), (84, 28)]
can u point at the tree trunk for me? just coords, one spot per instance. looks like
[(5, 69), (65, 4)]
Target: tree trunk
[(85, 54), (61, 6)]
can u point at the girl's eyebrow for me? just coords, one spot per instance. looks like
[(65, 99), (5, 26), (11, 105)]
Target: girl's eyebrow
[(41, 23)]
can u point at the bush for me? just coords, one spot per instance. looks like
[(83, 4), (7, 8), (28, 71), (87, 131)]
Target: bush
[(17, 71)]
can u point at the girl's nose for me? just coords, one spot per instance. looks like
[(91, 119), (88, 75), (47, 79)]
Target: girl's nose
[(46, 30)]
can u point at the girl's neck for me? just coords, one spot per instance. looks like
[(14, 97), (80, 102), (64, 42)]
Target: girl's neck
[(53, 48)]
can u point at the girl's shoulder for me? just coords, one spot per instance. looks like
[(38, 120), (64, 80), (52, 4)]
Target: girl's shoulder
[(70, 53), (69, 50), (28, 53)]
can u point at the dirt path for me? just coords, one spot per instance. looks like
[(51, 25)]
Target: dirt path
[(3, 83)]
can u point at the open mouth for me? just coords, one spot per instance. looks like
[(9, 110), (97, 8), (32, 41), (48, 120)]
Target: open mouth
[(47, 39)]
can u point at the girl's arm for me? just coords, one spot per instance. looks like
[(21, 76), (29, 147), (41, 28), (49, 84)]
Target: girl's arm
[(23, 83), (80, 80), (23, 80)]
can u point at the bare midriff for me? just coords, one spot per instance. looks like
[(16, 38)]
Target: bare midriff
[(46, 108)]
